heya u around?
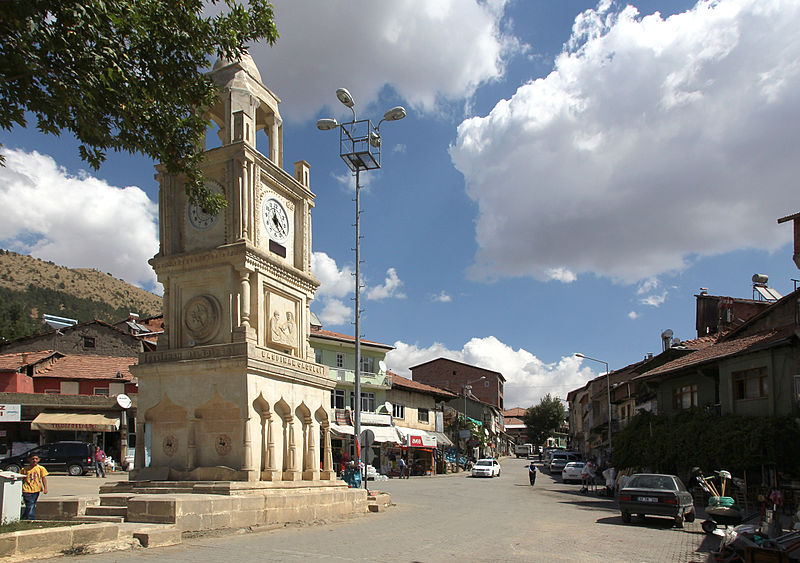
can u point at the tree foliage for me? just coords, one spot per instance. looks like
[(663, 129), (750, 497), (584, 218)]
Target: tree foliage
[(696, 438), (123, 75), (543, 419)]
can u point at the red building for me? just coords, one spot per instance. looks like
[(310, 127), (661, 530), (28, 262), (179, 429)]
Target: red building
[(485, 385)]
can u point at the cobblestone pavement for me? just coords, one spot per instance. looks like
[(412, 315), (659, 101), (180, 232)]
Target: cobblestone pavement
[(456, 517)]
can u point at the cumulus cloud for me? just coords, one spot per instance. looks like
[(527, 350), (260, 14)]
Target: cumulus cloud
[(655, 300), (335, 284), (442, 297), (392, 287), (528, 379), (647, 141), (455, 46), (633, 315), (77, 221)]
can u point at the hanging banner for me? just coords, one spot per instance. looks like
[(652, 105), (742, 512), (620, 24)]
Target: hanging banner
[(10, 413)]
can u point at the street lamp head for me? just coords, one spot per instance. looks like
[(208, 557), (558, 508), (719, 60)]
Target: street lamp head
[(345, 97), (326, 124), (394, 114), (374, 139)]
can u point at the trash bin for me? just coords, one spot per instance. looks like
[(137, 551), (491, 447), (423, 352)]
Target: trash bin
[(10, 496)]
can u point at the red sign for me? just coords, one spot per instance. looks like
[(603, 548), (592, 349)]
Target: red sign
[(415, 441)]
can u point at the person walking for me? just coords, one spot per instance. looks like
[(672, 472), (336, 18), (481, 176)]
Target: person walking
[(401, 463), (532, 474), (35, 482), (99, 462)]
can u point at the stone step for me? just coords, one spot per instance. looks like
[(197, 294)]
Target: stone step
[(115, 499), (121, 511), (114, 519)]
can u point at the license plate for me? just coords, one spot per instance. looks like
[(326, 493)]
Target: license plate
[(647, 499)]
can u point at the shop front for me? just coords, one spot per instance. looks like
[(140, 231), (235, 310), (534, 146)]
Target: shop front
[(378, 438), (418, 448)]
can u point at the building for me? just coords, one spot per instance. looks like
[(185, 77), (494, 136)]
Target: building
[(95, 338), (48, 396), (486, 385), (514, 425)]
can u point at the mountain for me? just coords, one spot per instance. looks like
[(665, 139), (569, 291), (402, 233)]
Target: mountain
[(30, 287)]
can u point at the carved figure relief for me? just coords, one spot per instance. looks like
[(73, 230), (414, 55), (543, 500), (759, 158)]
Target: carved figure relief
[(283, 330), (223, 444), (201, 317)]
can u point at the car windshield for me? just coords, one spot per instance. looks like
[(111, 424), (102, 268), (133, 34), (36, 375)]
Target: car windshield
[(575, 465), (484, 462), (663, 482)]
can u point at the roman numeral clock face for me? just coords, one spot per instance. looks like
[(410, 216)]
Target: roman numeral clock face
[(276, 219)]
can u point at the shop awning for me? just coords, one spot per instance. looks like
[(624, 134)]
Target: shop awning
[(382, 433), (441, 439), (342, 429), (416, 438), (74, 421)]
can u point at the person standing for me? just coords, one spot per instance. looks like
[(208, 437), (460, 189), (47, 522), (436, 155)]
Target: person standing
[(401, 463), (532, 474), (35, 482), (99, 462)]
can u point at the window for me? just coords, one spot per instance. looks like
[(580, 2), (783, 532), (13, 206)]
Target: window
[(422, 415), (750, 384), (339, 360), (684, 397), (367, 401), (367, 364), (101, 391), (318, 356), (88, 342), (337, 398), (398, 411)]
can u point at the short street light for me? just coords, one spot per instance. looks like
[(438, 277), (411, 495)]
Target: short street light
[(360, 148), (608, 389)]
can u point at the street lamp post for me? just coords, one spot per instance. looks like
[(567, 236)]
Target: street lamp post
[(467, 387), (360, 148), (608, 390)]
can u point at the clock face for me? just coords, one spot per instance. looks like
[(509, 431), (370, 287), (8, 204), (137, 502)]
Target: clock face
[(275, 219), (198, 217)]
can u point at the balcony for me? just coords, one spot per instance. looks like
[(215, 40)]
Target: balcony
[(368, 379)]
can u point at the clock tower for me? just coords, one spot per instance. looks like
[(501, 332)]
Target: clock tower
[(233, 391)]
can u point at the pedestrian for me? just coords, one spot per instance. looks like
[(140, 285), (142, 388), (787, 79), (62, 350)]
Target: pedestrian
[(99, 462), (532, 474), (401, 464), (35, 482), (610, 475)]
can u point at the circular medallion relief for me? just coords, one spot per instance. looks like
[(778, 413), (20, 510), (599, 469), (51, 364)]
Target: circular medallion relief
[(223, 444), (201, 317), (170, 445)]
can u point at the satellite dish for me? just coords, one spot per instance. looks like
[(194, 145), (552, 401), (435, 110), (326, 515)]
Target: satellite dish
[(382, 365), (388, 406), (124, 401)]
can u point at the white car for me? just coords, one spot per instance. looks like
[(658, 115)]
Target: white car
[(486, 468), (572, 471)]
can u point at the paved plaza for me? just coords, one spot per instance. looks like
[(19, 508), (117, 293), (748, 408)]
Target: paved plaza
[(456, 517)]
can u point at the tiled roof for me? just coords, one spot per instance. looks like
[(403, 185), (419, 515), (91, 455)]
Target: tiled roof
[(12, 362), (345, 337), (81, 366), (517, 412), (726, 348), (513, 421), (410, 384)]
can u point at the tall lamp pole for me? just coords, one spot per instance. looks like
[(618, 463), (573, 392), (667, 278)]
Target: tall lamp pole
[(360, 148), (467, 387), (608, 390)]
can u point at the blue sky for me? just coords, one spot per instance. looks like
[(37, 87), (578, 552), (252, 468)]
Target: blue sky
[(569, 175)]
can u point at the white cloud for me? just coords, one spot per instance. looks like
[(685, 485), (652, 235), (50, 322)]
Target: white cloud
[(528, 379), (427, 52), (633, 315), (646, 143), (561, 274), (442, 297), (335, 284), (77, 221), (647, 286), (400, 147), (655, 300), (392, 287)]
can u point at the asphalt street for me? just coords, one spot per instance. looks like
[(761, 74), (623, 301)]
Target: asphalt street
[(457, 517)]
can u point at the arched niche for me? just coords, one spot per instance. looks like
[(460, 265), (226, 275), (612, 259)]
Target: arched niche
[(169, 434), (219, 427)]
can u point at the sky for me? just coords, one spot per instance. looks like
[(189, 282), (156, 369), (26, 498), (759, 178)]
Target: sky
[(569, 175)]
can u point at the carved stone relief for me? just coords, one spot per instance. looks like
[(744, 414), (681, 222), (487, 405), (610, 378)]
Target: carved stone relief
[(201, 316)]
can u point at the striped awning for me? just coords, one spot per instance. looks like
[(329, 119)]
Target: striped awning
[(75, 421)]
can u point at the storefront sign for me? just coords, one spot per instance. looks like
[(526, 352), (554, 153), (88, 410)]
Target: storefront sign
[(376, 419), (10, 413), (421, 442)]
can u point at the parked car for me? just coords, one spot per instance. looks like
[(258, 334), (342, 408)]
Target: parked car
[(486, 468), (73, 457), (657, 495), (558, 460), (572, 471)]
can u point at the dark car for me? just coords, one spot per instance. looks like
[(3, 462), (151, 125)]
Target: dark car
[(657, 495), (559, 460), (73, 457)]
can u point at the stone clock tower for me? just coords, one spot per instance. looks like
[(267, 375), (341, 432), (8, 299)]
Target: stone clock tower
[(233, 392)]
